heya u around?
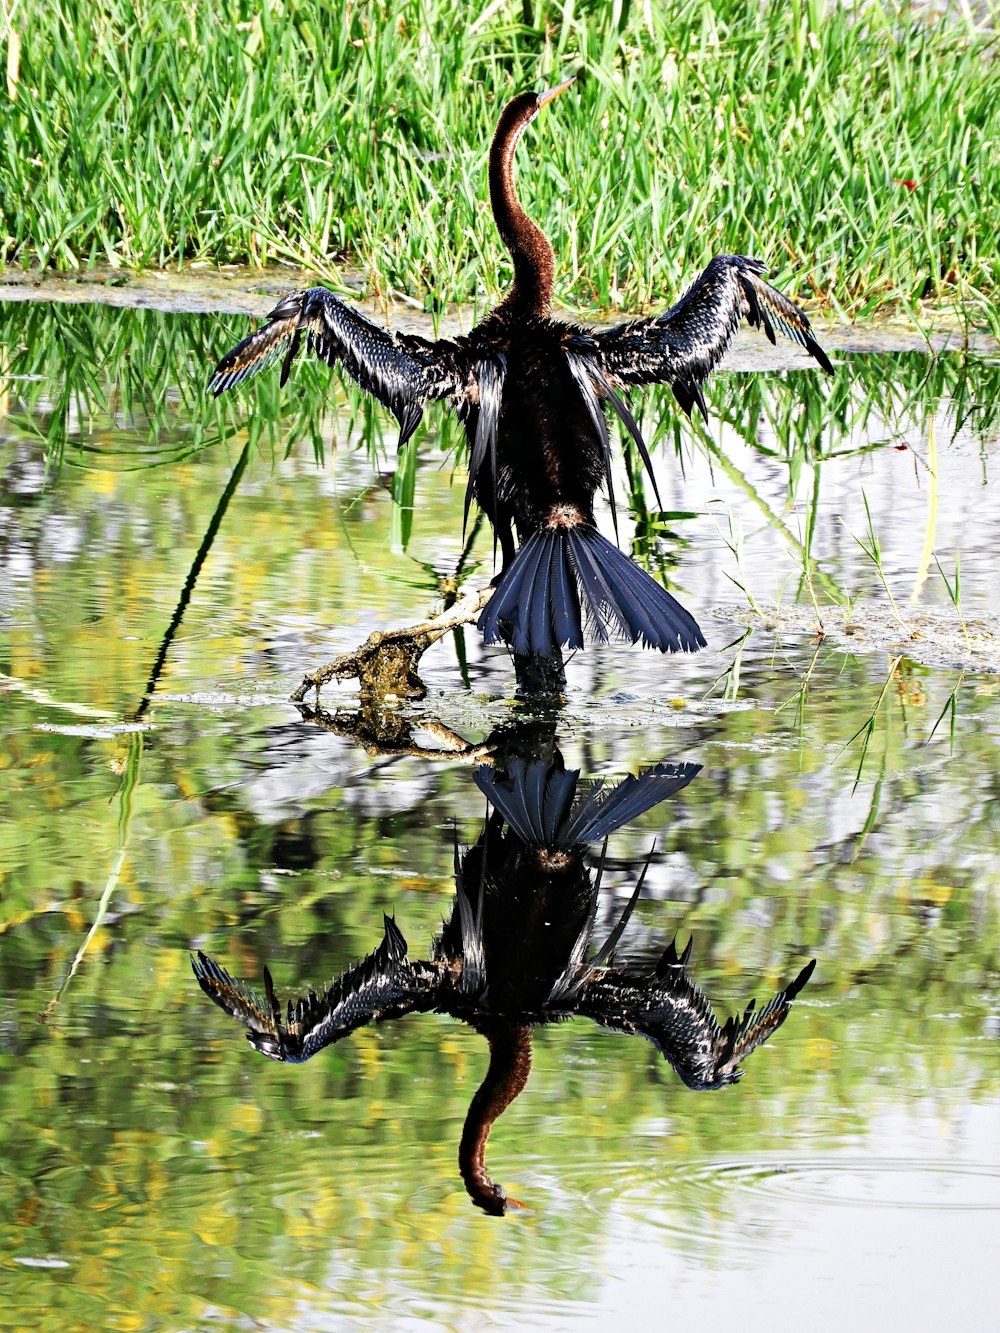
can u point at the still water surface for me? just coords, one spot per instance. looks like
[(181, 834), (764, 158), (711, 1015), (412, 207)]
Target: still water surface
[(840, 804)]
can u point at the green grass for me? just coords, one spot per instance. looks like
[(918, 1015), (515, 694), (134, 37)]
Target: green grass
[(125, 389), (155, 133)]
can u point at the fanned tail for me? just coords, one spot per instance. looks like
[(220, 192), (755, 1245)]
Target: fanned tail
[(561, 571)]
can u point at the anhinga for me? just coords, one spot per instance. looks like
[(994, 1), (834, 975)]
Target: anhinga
[(513, 955), (531, 392)]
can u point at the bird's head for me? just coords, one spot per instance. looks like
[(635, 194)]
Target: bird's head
[(550, 93), (520, 111)]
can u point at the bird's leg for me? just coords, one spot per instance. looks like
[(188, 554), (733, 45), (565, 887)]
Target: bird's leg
[(539, 675)]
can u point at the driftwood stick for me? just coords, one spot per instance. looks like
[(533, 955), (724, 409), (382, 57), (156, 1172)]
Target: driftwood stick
[(387, 731), (386, 663)]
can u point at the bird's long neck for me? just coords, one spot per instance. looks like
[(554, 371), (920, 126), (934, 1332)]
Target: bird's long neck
[(534, 263), (510, 1065)]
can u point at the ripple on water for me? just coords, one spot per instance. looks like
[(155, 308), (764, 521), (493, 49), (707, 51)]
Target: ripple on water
[(738, 1208), (907, 1183)]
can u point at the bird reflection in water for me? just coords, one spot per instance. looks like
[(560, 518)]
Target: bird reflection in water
[(514, 954)]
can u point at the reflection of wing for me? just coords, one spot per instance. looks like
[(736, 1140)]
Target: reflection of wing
[(740, 1036), (238, 999), (683, 346), (673, 1013), (401, 371), (537, 800), (384, 985)]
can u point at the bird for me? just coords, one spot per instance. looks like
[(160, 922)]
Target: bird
[(532, 393), (513, 956)]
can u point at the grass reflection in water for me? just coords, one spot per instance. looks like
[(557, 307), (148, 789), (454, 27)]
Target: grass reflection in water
[(158, 1173)]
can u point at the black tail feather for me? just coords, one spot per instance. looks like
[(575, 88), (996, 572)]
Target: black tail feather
[(538, 596), (561, 571), (602, 811)]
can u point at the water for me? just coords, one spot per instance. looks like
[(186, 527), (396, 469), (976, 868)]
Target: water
[(158, 1173)]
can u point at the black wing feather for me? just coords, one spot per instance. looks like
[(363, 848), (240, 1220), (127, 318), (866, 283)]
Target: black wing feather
[(490, 377), (402, 372), (580, 369), (674, 1014), (683, 346), (629, 422), (584, 358)]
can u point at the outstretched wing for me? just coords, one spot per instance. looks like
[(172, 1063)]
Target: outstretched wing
[(401, 371), (740, 1036), (683, 346), (675, 1015), (383, 985)]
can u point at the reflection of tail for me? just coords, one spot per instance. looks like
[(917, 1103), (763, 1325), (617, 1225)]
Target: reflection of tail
[(539, 800), (555, 571)]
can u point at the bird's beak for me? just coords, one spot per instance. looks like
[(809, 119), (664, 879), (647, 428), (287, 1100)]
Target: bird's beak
[(549, 93)]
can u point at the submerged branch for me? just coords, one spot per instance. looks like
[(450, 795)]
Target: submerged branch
[(385, 731), (211, 532), (386, 663)]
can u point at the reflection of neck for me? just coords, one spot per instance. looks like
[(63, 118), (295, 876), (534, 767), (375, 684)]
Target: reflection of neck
[(510, 1065)]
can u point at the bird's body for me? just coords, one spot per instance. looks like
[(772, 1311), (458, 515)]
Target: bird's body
[(546, 451), (531, 392)]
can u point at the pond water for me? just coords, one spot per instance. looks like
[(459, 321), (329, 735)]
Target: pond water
[(170, 569)]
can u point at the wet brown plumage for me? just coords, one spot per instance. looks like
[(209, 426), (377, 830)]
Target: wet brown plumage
[(532, 393)]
